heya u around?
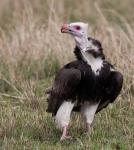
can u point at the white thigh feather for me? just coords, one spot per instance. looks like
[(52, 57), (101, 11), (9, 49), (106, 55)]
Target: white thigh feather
[(62, 117)]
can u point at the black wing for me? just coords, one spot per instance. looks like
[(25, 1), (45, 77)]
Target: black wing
[(110, 93), (112, 90), (64, 88)]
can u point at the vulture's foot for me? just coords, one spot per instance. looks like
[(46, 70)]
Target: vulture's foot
[(65, 134)]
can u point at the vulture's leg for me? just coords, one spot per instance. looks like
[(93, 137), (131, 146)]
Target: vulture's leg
[(88, 112), (65, 134), (62, 118)]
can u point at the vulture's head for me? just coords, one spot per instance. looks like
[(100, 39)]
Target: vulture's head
[(79, 32), (77, 29)]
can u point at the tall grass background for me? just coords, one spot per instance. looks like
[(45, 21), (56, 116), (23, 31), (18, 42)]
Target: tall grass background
[(32, 49)]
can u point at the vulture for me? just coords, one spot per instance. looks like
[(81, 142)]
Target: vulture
[(86, 85)]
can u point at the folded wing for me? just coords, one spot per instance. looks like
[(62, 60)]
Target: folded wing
[(64, 88)]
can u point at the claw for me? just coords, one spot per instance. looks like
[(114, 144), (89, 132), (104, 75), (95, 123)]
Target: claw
[(65, 138)]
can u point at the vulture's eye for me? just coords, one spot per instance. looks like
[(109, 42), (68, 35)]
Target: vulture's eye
[(77, 27)]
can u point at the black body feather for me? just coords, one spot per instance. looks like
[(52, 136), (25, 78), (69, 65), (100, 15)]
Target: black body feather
[(77, 81)]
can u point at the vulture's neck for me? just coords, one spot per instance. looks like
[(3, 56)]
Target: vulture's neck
[(82, 43), (91, 57)]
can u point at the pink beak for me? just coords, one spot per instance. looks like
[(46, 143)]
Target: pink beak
[(64, 28)]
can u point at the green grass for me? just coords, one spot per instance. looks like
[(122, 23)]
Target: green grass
[(23, 126)]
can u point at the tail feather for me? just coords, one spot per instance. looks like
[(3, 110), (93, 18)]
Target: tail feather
[(54, 102)]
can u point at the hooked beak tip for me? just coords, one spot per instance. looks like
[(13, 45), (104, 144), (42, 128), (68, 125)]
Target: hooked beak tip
[(64, 28)]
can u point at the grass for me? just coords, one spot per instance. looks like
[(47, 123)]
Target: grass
[(26, 127), (32, 49)]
